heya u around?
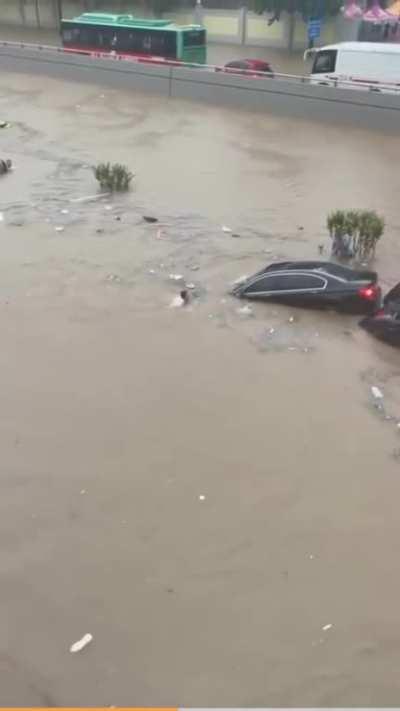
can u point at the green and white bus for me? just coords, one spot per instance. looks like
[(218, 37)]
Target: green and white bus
[(125, 35)]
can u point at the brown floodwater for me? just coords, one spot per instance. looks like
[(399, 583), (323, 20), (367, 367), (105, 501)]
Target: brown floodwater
[(200, 493)]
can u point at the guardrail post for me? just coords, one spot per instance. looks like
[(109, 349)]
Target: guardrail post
[(170, 82)]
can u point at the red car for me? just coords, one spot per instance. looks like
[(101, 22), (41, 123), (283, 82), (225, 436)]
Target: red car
[(248, 67)]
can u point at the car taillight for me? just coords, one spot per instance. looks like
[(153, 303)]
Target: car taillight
[(370, 293)]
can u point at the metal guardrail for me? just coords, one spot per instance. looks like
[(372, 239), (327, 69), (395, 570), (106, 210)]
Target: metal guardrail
[(376, 87)]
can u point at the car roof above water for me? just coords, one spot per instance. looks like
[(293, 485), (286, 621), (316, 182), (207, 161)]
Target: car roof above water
[(336, 270)]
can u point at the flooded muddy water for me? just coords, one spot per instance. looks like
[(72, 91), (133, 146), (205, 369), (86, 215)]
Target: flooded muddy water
[(201, 493)]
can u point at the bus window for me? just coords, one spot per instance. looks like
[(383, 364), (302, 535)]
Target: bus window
[(325, 62), (103, 39), (88, 37), (71, 36), (84, 37), (147, 43), (156, 42), (163, 43), (194, 38)]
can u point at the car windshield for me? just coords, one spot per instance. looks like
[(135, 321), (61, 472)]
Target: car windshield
[(325, 62)]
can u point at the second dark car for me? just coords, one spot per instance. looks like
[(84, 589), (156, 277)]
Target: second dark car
[(385, 323), (314, 284)]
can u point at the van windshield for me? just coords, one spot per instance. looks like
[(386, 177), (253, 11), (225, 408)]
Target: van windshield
[(325, 62)]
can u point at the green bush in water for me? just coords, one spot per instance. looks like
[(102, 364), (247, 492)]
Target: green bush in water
[(355, 233), (113, 177)]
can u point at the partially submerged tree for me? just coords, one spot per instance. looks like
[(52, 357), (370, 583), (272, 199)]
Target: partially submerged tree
[(355, 233), (114, 177)]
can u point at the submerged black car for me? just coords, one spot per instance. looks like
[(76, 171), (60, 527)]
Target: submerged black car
[(314, 284), (385, 323)]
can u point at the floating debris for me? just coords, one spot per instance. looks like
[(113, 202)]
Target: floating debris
[(202, 497), (89, 198), (377, 394), (148, 218), (226, 229), (182, 299), (5, 166), (327, 627), (246, 311), (59, 228), (81, 643), (176, 302), (240, 280), (176, 277)]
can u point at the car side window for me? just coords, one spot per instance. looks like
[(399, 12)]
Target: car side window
[(286, 282), (291, 282), (265, 282)]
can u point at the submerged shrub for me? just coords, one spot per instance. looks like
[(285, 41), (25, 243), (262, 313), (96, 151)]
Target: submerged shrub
[(113, 177), (354, 233)]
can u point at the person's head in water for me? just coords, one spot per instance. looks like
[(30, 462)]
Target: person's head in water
[(185, 296)]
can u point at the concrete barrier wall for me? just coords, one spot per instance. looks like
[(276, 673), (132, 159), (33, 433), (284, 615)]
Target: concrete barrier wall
[(74, 67), (282, 96)]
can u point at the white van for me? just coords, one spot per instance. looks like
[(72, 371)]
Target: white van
[(363, 62)]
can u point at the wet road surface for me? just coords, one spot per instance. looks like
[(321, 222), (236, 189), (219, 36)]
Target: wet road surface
[(201, 491)]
